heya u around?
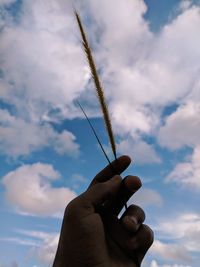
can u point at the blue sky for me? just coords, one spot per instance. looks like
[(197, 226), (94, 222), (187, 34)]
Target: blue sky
[(148, 54)]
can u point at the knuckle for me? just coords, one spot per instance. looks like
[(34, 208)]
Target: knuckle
[(137, 211), (71, 208)]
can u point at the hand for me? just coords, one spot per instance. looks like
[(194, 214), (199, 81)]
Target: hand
[(92, 235)]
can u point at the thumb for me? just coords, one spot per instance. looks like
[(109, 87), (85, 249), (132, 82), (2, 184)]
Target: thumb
[(101, 192)]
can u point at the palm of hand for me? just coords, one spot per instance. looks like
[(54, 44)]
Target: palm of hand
[(96, 248)]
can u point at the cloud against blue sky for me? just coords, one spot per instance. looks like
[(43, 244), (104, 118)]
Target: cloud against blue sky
[(148, 56)]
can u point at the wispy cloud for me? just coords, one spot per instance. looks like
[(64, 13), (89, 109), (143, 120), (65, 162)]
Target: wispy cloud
[(48, 242), (20, 241)]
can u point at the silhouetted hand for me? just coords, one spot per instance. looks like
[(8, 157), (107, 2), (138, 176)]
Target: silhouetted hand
[(92, 235)]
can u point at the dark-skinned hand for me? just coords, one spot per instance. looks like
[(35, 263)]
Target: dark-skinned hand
[(92, 235)]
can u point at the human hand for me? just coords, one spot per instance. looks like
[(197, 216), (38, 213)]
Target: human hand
[(92, 235)]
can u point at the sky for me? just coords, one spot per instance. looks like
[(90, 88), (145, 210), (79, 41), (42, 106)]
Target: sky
[(148, 56)]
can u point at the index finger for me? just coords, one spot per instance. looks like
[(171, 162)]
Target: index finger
[(117, 167)]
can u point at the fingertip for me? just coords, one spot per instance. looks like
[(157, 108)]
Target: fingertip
[(116, 166), (122, 163), (125, 159), (133, 183), (130, 223)]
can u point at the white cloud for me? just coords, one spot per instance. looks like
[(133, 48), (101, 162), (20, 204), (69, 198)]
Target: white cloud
[(182, 128), (146, 197), (50, 64), (180, 235), (185, 4), (156, 68), (46, 245), (29, 189), (46, 253), (19, 137), (13, 264), (20, 241), (65, 144), (44, 70), (6, 2), (155, 264), (187, 173), (170, 251), (42, 245), (142, 79), (140, 151), (184, 228), (143, 72)]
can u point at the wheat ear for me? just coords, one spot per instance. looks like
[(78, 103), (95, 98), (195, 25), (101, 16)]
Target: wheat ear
[(98, 86)]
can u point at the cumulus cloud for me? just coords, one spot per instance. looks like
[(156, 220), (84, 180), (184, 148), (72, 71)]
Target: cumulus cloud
[(29, 189), (143, 78), (140, 151), (187, 230), (155, 264), (50, 64), (170, 251), (6, 2), (143, 72), (180, 237), (155, 69), (19, 137), (187, 174), (185, 4), (41, 72), (182, 127)]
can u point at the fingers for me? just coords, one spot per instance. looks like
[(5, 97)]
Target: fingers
[(132, 218), (96, 195), (102, 192), (135, 244), (118, 166), (142, 241), (130, 234), (128, 187)]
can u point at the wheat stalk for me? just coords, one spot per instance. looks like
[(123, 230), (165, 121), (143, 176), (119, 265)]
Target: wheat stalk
[(98, 86)]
